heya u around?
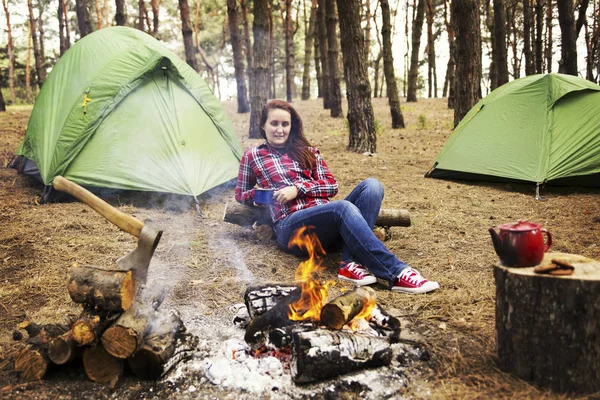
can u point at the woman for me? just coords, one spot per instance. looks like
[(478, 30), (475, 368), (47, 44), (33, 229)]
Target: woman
[(304, 186)]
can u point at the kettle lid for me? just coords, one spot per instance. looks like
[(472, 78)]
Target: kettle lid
[(520, 226)]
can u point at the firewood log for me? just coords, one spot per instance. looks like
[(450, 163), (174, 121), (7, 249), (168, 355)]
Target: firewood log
[(63, 349), (344, 308), (101, 289), (322, 354), (90, 325), (126, 334), (149, 361), (32, 361), (260, 299), (245, 215), (100, 366), (275, 317)]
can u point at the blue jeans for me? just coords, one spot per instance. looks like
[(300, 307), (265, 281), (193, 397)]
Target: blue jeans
[(352, 219)]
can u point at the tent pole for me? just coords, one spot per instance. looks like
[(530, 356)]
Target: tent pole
[(537, 192)]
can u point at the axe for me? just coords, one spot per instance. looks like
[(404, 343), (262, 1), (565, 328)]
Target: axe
[(148, 237)]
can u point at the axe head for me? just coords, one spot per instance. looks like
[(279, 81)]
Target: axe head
[(139, 259)]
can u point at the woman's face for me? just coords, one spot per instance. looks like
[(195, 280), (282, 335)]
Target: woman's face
[(278, 126)]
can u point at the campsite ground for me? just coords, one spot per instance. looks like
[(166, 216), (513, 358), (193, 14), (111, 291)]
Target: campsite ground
[(205, 263)]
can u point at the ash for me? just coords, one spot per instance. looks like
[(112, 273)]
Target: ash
[(222, 367)]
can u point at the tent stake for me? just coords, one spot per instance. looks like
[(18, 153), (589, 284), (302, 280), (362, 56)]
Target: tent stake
[(198, 206)]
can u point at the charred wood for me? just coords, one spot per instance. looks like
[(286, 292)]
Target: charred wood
[(260, 299), (322, 354), (385, 324), (101, 289), (344, 308), (282, 337), (275, 317)]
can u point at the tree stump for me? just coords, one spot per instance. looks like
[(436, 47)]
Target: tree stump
[(548, 326)]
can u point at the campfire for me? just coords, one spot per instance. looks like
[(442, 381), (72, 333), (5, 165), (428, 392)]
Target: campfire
[(325, 339)]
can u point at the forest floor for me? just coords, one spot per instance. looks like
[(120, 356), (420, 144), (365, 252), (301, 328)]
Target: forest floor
[(205, 264)]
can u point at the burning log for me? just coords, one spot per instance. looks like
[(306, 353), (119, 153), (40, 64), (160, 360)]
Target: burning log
[(89, 326), (101, 289), (244, 215), (159, 346), (260, 299), (100, 366), (32, 361), (321, 354), (344, 308), (126, 335), (63, 349), (275, 317)]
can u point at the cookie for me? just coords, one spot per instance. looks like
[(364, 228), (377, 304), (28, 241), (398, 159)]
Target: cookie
[(561, 272), (562, 263), (545, 268)]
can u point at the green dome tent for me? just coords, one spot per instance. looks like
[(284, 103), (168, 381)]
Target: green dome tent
[(120, 111), (541, 128)]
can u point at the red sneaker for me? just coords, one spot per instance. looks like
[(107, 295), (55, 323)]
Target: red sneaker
[(411, 281), (356, 273)]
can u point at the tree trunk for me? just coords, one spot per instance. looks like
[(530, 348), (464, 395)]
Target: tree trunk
[(308, 48), (317, 56), (568, 41), (367, 30), (40, 24), (499, 52), (290, 56), (539, 40), (186, 30), (11, 56), (513, 35), (547, 326), (431, 78), (39, 66), (388, 66), (141, 16), (413, 74), (376, 64), (100, 289), (407, 45), (361, 120), (2, 102), (83, 18), (322, 354), (155, 16), (323, 50), (65, 6), (489, 22), (247, 44), (333, 55), (259, 84), (548, 52), (98, 10), (28, 66), (527, 37), (344, 308), (61, 27), (468, 56), (121, 13), (100, 366), (238, 57)]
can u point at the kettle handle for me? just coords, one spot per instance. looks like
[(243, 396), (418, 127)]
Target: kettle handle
[(548, 239)]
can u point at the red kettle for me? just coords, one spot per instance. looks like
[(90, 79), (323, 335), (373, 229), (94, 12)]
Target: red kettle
[(521, 244)]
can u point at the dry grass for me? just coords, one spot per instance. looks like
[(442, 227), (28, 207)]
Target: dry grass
[(207, 263)]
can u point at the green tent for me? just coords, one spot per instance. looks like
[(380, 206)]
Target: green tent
[(119, 110), (541, 128)]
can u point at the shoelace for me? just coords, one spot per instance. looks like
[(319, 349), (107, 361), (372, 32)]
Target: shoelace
[(411, 275), (356, 269)]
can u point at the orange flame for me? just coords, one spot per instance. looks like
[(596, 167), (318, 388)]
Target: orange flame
[(365, 313), (314, 290)]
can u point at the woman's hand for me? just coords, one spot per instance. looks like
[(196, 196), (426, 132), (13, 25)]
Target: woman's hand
[(286, 194)]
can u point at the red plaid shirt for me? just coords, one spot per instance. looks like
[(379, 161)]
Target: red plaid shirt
[(268, 168)]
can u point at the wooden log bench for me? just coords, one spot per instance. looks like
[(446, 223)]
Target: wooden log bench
[(548, 326), (260, 220)]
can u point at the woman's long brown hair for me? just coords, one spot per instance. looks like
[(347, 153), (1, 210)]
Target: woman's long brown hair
[(297, 146)]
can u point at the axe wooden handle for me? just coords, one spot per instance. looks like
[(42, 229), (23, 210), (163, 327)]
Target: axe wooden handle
[(124, 221)]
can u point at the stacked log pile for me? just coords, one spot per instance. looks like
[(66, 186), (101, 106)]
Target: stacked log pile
[(120, 323), (328, 347)]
